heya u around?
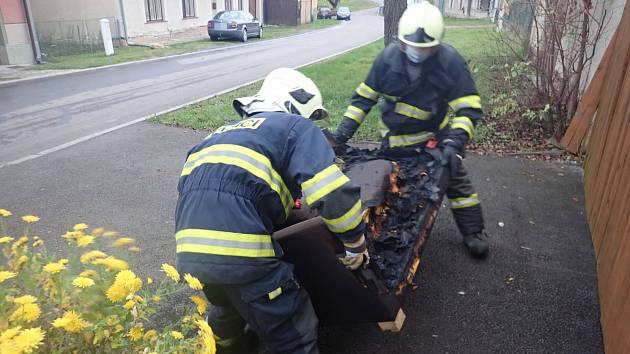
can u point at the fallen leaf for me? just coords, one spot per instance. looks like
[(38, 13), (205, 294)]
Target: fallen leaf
[(461, 293), (501, 224)]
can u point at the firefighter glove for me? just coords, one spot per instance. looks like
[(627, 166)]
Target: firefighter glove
[(452, 157), (353, 261)]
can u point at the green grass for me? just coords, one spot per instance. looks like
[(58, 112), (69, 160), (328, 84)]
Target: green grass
[(454, 21), (133, 53), (337, 79), (354, 5)]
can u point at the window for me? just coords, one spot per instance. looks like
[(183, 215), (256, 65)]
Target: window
[(153, 10), (228, 5), (188, 6)]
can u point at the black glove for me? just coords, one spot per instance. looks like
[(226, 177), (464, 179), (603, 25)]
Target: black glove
[(452, 156)]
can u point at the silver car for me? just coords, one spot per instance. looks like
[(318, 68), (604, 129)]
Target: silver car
[(234, 24)]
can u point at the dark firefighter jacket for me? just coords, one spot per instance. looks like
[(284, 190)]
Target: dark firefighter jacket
[(413, 112), (238, 186)]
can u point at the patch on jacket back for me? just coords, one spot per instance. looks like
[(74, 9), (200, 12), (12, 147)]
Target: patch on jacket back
[(250, 123)]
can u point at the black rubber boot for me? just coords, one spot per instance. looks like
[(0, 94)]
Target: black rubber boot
[(247, 343), (477, 244)]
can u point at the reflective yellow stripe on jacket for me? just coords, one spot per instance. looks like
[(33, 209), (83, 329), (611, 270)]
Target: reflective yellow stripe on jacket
[(367, 92), (347, 221), (409, 139), (323, 183), (465, 124), (224, 243), (472, 101), (411, 111), (245, 158), (355, 113)]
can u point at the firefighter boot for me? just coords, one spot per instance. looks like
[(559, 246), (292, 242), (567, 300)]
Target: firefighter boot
[(477, 244)]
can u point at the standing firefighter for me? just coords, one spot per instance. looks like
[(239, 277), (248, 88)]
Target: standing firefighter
[(418, 79), (238, 187)]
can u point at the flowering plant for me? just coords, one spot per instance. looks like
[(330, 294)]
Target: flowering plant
[(89, 300)]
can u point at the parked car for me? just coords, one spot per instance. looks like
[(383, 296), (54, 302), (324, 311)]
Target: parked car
[(324, 13), (234, 24), (343, 13)]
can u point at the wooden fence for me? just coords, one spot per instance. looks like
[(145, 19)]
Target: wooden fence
[(601, 130)]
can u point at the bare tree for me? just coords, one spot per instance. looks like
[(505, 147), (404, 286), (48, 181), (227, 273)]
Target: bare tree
[(392, 11), (468, 8), (334, 3), (564, 37)]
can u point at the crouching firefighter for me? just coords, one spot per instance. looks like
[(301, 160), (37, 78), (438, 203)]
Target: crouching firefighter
[(418, 79), (237, 187)]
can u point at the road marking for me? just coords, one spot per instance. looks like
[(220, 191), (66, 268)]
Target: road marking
[(124, 125)]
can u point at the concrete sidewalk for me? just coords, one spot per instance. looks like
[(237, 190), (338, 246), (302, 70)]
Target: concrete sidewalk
[(536, 293)]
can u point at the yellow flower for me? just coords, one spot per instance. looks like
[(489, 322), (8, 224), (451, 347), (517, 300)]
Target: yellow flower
[(112, 263), (27, 312), (4, 275), (82, 282), (80, 227), (151, 335), (123, 241), (156, 298), (9, 334), (126, 283), (38, 243), (177, 335), (71, 322), (29, 340), (207, 337), (30, 218), (85, 240), (26, 299), (5, 213), (201, 303), (135, 249), (129, 305), (149, 280), (63, 261), (118, 328), (110, 233), (87, 273), (135, 333), (98, 231), (90, 256), (6, 239), (193, 282), (22, 240), (54, 268), (170, 271), (19, 262)]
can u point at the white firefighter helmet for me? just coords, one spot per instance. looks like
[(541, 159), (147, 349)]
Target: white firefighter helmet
[(289, 91), (421, 25)]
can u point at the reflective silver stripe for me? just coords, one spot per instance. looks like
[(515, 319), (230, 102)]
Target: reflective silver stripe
[(367, 92), (463, 123), (348, 221), (285, 198), (322, 183), (465, 202), (191, 240), (355, 113), (409, 139), (411, 111), (472, 101)]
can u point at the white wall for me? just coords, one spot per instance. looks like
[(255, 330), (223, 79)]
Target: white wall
[(173, 17)]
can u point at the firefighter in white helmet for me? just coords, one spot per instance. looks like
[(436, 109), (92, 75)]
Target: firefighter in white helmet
[(418, 79), (237, 188)]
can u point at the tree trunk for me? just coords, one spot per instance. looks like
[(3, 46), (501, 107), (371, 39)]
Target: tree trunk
[(392, 11), (469, 7), (334, 3)]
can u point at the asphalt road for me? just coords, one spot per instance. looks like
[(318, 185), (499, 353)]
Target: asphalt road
[(536, 293), (41, 115)]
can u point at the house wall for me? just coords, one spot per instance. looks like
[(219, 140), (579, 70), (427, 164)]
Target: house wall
[(174, 20), (15, 43), (72, 10)]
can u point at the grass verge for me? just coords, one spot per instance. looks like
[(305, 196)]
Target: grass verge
[(354, 5), (134, 53), (457, 21), (337, 78)]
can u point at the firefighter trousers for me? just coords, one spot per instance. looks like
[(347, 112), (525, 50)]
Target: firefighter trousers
[(279, 311), (465, 203)]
